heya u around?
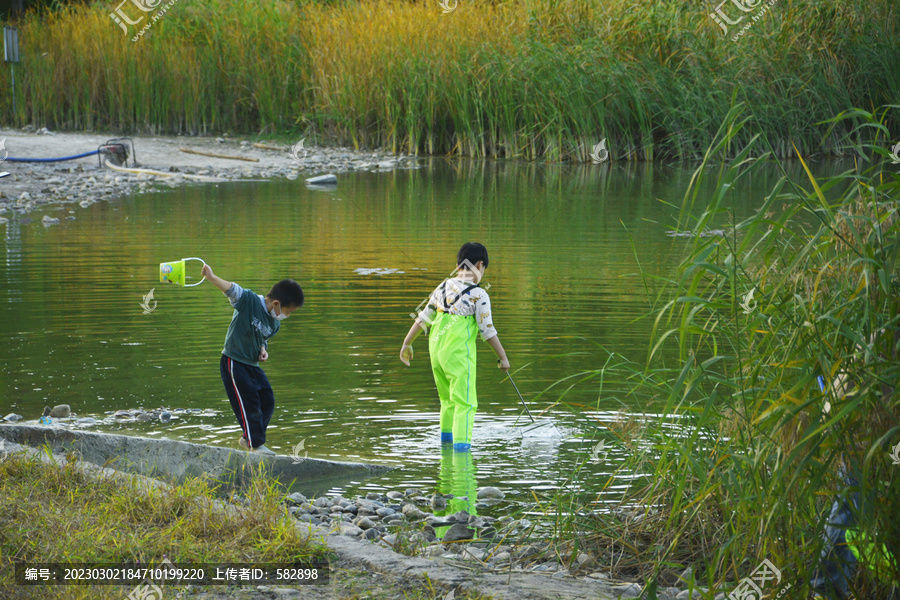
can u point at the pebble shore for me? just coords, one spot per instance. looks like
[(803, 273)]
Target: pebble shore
[(57, 189)]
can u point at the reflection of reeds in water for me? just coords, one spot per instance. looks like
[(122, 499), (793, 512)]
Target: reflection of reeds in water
[(753, 468), (525, 79)]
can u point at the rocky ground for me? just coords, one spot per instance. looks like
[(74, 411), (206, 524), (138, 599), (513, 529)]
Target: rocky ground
[(53, 188), (391, 541)]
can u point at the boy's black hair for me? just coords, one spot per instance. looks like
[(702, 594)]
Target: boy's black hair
[(473, 252), (288, 292)]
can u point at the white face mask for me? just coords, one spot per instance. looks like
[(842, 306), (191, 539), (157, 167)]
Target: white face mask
[(280, 317)]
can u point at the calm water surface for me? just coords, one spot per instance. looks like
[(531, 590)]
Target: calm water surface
[(563, 272)]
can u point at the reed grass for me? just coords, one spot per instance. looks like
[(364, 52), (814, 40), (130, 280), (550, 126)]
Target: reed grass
[(518, 79), (751, 465)]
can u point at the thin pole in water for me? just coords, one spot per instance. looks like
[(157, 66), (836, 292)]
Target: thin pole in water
[(515, 387)]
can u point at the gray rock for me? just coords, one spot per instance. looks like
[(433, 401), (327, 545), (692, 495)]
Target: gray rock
[(438, 502), (475, 521), (49, 220), (305, 517), (322, 179), (689, 594), (410, 511), (165, 416), (85, 421), (322, 502), (631, 590), (364, 523), (458, 532), (390, 539), (460, 517), (501, 557), (490, 492), (470, 553), (371, 534), (13, 417), (385, 512), (296, 498), (348, 529), (395, 495), (550, 565)]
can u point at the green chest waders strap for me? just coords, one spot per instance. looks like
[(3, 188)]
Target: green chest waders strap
[(455, 300)]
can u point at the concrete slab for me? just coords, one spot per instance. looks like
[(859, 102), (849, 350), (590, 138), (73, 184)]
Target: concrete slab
[(174, 460)]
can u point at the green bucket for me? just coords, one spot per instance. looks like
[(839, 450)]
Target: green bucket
[(174, 272)]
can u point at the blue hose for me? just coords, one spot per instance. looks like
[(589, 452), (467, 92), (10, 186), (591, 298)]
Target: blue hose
[(73, 157)]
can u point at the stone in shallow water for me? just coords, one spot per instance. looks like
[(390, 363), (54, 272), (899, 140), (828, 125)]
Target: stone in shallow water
[(60, 411), (490, 492), (13, 417), (410, 511), (458, 532), (460, 517)]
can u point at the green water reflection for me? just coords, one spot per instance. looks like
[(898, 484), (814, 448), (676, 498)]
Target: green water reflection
[(562, 242)]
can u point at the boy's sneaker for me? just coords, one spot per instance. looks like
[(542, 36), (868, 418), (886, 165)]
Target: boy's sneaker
[(263, 450), (243, 443)]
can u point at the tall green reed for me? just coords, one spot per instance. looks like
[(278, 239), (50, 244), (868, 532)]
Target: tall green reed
[(806, 287), (524, 78)]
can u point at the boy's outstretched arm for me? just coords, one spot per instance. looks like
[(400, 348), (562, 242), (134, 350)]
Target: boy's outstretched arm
[(220, 283), (500, 352), (406, 351)]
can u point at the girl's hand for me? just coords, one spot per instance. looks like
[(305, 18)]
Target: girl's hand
[(206, 271), (263, 355), (406, 354), (503, 363)]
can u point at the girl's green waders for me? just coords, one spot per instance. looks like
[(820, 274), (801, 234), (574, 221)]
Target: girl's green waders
[(451, 345)]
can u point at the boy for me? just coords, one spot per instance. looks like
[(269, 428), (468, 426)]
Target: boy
[(255, 320), (457, 309)]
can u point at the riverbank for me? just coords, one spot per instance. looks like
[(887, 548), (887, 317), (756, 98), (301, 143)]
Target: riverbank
[(52, 188), (179, 522)]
